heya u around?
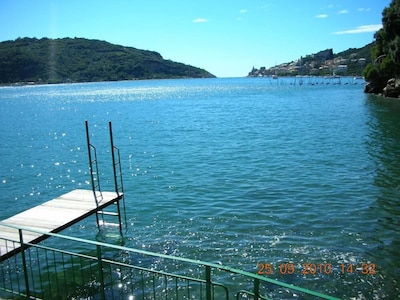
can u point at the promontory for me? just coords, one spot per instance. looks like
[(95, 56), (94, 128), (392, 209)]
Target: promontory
[(383, 75), (83, 60)]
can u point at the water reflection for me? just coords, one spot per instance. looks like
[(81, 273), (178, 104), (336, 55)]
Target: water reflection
[(383, 145)]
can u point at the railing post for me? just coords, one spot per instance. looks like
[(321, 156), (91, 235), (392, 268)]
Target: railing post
[(208, 283), (100, 264), (256, 289), (21, 240)]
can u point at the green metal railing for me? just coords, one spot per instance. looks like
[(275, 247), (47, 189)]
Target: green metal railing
[(79, 268)]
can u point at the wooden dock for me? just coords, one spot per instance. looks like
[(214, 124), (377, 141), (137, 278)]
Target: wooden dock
[(52, 216)]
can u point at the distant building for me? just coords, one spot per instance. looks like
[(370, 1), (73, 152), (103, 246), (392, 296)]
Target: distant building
[(341, 69), (320, 64), (362, 61)]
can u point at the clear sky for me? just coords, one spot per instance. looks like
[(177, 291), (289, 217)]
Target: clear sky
[(225, 37)]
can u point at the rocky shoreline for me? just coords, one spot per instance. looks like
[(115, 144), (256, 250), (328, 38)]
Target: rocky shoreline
[(392, 89)]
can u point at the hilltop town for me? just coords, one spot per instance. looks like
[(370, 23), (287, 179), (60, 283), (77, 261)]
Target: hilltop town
[(324, 63)]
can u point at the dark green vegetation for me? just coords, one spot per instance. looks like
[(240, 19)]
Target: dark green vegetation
[(364, 52), (82, 60), (354, 58), (385, 52), (354, 65)]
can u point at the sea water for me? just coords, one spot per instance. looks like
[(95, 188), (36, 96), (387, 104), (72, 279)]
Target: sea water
[(246, 172)]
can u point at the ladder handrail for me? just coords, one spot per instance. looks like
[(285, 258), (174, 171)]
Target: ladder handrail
[(116, 163), (95, 177), (95, 187), (119, 188)]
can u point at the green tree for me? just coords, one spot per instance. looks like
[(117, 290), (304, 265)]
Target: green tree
[(386, 50)]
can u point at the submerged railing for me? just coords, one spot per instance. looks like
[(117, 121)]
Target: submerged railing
[(79, 268)]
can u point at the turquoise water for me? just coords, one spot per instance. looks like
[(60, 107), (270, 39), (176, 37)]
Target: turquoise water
[(235, 171)]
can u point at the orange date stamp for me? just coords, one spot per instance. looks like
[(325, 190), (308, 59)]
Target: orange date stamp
[(265, 268)]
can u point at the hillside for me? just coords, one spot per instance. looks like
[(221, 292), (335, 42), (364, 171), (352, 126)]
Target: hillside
[(353, 54), (350, 62), (82, 60)]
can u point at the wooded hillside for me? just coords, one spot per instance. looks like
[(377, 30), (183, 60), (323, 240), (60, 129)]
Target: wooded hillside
[(82, 60)]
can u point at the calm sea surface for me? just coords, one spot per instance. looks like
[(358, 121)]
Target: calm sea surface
[(235, 171)]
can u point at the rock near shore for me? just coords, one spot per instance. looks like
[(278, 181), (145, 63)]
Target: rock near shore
[(392, 88)]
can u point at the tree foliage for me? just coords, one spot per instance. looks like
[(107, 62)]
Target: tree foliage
[(386, 50), (82, 60)]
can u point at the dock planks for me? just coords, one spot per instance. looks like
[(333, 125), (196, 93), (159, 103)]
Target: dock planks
[(52, 216)]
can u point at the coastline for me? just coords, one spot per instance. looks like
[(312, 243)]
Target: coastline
[(390, 90)]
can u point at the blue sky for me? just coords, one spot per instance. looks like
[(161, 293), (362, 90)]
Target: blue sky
[(225, 37)]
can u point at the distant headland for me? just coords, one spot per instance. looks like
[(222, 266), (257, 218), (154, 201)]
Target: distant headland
[(323, 63), (378, 62), (39, 61)]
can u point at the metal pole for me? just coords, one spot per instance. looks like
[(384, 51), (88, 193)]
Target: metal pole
[(24, 266), (119, 217), (100, 264), (115, 175), (256, 289), (90, 156), (91, 171), (208, 283), (122, 186), (113, 159)]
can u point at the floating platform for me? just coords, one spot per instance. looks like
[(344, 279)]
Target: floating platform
[(53, 216)]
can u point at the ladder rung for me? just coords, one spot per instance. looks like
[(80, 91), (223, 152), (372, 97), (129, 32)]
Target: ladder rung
[(108, 224), (107, 213)]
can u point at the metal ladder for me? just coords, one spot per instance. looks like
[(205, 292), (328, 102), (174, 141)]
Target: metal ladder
[(95, 180), (118, 181)]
